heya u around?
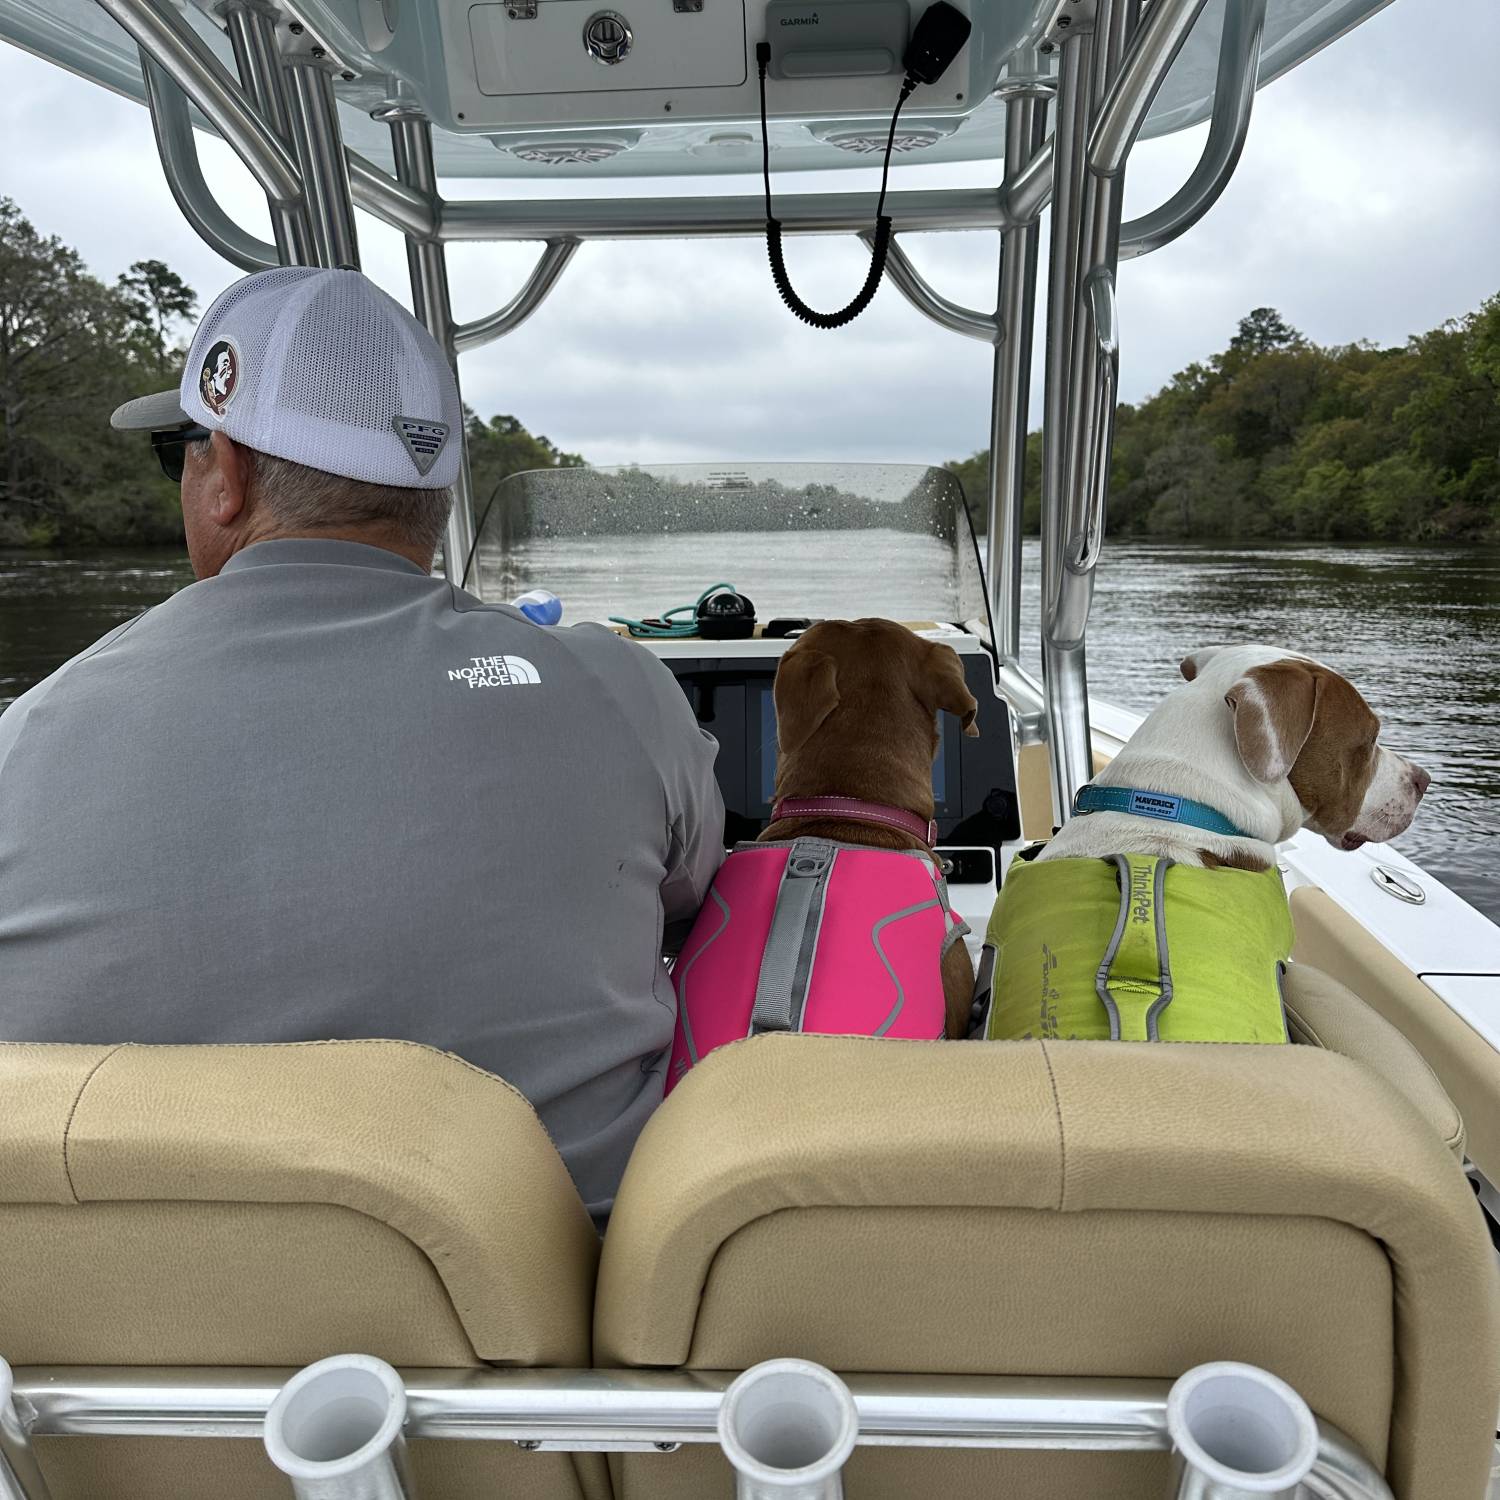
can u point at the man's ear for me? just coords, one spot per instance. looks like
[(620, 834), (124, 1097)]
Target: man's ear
[(1274, 708), (1195, 661), (942, 687), (806, 692), (230, 480)]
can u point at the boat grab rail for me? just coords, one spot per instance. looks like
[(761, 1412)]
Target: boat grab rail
[(550, 265), (641, 1411), (181, 53), (178, 150), (1148, 59), (1029, 191), (738, 216), (1229, 126), (931, 303), (173, 51)]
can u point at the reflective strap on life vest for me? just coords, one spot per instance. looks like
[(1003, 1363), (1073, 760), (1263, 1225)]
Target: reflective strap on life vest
[(792, 943), (1135, 978)]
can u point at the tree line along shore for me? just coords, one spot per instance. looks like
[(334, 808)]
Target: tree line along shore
[(1274, 437)]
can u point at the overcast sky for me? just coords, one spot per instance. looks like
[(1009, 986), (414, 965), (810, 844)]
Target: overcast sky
[(1367, 206)]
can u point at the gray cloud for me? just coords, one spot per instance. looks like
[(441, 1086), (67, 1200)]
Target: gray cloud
[(1366, 206)]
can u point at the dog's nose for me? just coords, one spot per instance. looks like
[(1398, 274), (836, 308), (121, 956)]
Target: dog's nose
[(1421, 780)]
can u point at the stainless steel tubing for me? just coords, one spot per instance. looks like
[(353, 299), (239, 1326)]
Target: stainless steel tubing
[(325, 173), (1152, 50), (1090, 491), (1010, 390), (252, 34), (20, 1478), (912, 285), (601, 1410), (379, 193), (1080, 407), (426, 260), (335, 1430), (592, 1409), (553, 262), (678, 218), (1029, 190), (1234, 98), (788, 1426), (1027, 700), (1064, 677), (1342, 1471), (1238, 1433), (173, 127), (1093, 361), (163, 36)]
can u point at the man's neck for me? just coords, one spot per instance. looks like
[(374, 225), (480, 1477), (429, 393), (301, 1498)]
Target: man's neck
[(370, 536)]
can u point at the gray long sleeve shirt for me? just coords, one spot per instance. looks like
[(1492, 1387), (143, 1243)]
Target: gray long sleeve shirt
[(326, 795)]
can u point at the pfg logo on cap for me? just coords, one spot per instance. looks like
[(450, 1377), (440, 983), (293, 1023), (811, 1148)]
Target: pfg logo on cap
[(424, 437), (219, 378)]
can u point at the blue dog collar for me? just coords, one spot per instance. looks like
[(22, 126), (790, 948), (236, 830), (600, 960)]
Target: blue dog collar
[(1160, 805)]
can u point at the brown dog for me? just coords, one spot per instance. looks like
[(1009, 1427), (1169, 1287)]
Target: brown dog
[(856, 714)]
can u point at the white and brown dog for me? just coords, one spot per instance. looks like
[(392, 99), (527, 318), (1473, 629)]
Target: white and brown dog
[(1095, 939), (1271, 741)]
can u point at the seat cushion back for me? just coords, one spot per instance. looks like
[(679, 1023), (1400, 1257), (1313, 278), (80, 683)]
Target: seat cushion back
[(1059, 1209), (271, 1205)]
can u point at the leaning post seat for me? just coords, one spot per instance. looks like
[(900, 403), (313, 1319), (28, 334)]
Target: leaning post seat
[(269, 1206), (1065, 1209)]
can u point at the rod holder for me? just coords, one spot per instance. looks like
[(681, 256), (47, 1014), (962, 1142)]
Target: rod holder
[(335, 1430), (788, 1427), (1238, 1433)]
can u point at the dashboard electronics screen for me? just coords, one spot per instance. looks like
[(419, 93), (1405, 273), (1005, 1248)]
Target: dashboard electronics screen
[(973, 780), (767, 758)]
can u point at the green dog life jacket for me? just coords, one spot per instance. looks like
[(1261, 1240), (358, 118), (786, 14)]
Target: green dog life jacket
[(1140, 949)]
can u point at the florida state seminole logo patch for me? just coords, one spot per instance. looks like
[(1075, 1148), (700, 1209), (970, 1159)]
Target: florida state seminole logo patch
[(219, 378)]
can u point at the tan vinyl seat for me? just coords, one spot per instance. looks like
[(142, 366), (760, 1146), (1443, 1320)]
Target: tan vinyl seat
[(1058, 1209), (1321, 1012), (1467, 1064), (270, 1205)]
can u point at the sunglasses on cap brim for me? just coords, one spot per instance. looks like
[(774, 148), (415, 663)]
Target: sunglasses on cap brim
[(170, 448)]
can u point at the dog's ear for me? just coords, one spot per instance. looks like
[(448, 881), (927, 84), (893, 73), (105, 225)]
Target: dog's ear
[(806, 692), (1195, 661), (942, 686), (1274, 707)]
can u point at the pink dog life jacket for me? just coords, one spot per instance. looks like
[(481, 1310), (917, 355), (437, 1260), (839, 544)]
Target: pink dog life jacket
[(814, 936)]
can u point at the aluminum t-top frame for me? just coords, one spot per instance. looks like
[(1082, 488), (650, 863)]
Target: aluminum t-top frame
[(280, 118)]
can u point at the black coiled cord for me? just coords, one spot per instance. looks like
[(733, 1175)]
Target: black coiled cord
[(878, 250)]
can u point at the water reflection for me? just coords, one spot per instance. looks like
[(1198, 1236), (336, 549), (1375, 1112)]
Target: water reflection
[(1417, 629)]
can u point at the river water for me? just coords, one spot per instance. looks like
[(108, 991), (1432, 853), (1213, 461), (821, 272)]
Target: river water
[(1416, 629)]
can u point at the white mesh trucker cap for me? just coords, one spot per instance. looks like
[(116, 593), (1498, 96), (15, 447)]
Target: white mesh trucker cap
[(323, 368)]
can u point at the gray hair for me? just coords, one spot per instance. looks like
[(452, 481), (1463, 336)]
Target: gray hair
[(300, 499)]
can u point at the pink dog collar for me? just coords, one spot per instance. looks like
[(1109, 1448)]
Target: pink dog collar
[(855, 811)]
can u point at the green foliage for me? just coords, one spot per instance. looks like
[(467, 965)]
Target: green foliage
[(974, 474), (69, 352), (72, 349), (502, 447), (156, 297), (1277, 437)]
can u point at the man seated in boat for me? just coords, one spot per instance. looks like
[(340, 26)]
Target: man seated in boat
[(320, 793)]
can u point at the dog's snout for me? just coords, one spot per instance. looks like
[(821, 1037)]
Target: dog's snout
[(1420, 780)]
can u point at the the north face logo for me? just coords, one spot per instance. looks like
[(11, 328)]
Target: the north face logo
[(496, 671)]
